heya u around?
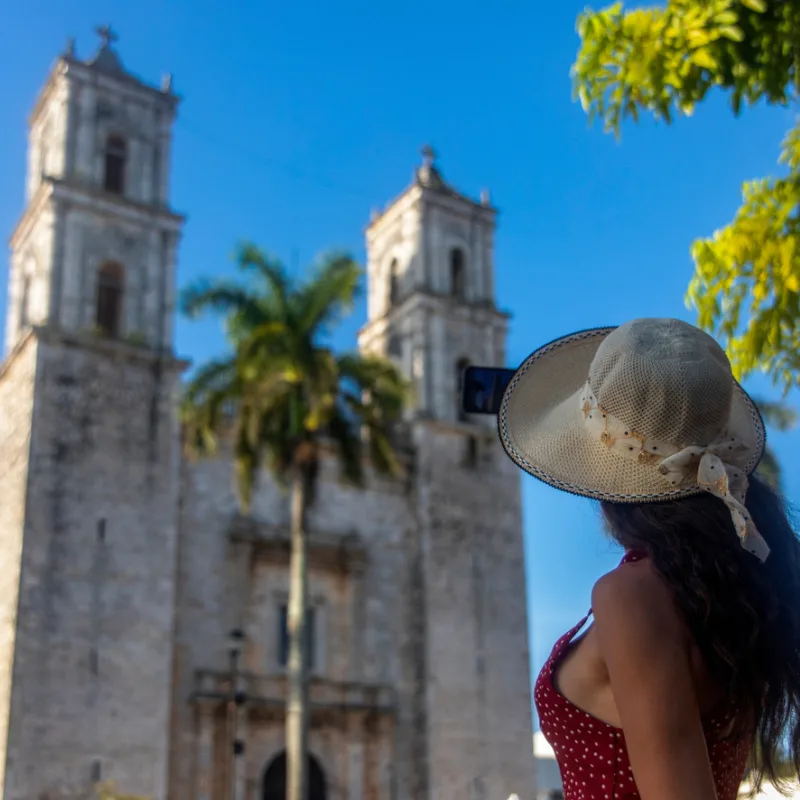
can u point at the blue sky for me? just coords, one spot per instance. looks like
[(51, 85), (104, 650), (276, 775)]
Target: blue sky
[(300, 117)]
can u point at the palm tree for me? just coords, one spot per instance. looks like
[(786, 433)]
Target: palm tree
[(280, 396), (781, 417)]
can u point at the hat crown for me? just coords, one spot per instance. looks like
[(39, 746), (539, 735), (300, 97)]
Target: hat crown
[(665, 378)]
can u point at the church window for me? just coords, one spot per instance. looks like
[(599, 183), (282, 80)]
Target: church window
[(110, 286), (283, 637), (457, 274), (115, 158), (394, 284), (395, 345), (460, 367), (24, 302)]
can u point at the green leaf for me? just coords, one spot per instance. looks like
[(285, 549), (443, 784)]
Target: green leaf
[(732, 32), (755, 5), (703, 58)]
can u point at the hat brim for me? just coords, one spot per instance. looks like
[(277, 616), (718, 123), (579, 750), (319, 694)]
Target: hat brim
[(542, 428)]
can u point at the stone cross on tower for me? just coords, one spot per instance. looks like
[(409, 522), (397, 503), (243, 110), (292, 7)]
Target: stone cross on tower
[(106, 34), (428, 155)]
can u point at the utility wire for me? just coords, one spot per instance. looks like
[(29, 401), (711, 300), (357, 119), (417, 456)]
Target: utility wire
[(248, 155)]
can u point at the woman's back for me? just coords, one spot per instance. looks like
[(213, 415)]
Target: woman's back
[(579, 707)]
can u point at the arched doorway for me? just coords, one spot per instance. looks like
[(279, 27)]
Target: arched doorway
[(275, 779)]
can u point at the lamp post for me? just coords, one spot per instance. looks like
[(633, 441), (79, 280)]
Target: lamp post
[(237, 701)]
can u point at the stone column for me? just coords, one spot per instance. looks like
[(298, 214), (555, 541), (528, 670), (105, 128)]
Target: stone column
[(354, 748), (488, 263), (166, 282), (357, 623), (85, 156), (72, 120), (59, 220), (204, 773), (69, 301), (164, 150), (385, 757), (240, 755)]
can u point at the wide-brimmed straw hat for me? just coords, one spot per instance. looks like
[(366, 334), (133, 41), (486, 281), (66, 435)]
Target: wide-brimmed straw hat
[(645, 412)]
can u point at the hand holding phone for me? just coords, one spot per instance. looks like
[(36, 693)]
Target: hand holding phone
[(482, 389)]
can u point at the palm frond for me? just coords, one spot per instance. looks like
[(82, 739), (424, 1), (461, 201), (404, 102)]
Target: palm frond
[(282, 391), (266, 340), (345, 437), (329, 295), (210, 377), (388, 392), (383, 456), (203, 410), (271, 270), (222, 297)]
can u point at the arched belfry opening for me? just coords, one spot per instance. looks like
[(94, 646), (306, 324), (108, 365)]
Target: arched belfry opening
[(458, 277), (394, 283), (275, 779)]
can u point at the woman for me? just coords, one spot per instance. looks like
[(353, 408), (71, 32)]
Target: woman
[(693, 657)]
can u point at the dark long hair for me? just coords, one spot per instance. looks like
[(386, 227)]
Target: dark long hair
[(744, 615)]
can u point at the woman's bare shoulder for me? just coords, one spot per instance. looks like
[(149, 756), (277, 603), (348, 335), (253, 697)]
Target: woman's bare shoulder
[(635, 597)]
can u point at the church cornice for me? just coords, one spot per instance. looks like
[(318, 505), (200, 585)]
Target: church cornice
[(122, 83), (121, 80), (266, 692), (429, 187), (117, 349), (16, 350), (445, 304), (85, 196), (31, 213), (94, 198), (339, 552), (456, 205)]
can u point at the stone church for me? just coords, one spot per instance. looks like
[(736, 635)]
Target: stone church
[(142, 618)]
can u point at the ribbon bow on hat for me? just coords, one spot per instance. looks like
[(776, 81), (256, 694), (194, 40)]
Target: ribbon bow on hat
[(724, 481)]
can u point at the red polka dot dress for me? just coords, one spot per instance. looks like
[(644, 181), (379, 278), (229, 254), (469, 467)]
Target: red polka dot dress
[(592, 755)]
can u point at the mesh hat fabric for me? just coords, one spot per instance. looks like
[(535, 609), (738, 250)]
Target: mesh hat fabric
[(665, 378)]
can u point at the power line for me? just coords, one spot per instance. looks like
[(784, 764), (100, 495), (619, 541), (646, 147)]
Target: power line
[(248, 155)]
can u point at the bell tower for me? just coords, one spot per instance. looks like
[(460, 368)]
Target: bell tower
[(431, 307), (431, 289), (89, 441), (95, 248)]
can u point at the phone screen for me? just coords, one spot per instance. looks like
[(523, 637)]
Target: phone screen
[(482, 389)]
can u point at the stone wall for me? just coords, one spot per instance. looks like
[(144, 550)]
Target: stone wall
[(91, 684), (362, 627), (16, 411), (477, 656), (436, 615)]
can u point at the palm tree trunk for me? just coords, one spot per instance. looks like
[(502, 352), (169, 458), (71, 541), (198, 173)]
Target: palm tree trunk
[(297, 711)]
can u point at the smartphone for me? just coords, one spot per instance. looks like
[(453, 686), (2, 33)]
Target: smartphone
[(482, 389)]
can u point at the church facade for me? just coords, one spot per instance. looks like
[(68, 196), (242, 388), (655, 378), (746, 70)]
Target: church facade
[(142, 617)]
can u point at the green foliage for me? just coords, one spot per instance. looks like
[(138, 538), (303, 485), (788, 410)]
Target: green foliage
[(753, 266), (665, 60), (282, 394)]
